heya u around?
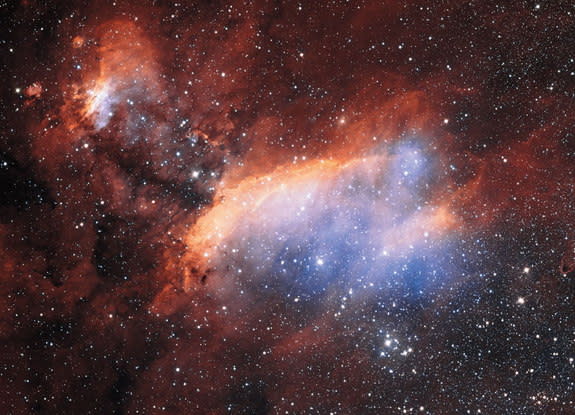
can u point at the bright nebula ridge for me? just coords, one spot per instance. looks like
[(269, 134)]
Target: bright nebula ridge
[(366, 222), (287, 207)]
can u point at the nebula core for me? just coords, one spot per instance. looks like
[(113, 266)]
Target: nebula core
[(265, 207)]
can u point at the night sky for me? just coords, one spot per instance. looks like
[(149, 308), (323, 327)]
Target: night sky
[(267, 207)]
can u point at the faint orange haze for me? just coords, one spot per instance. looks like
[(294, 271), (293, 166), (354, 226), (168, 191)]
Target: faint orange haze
[(271, 176)]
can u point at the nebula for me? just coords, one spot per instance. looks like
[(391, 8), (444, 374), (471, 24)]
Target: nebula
[(287, 207), (351, 217)]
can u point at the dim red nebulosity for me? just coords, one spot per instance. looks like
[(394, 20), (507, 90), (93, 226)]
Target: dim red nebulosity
[(287, 207)]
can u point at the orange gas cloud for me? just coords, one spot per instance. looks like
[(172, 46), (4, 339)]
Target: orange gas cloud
[(122, 74), (298, 193), (269, 207)]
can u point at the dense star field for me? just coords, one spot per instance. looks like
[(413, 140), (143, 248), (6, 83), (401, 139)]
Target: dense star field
[(267, 207)]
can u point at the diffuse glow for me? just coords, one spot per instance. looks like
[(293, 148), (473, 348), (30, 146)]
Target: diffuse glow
[(382, 202), (287, 207)]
